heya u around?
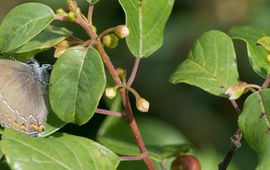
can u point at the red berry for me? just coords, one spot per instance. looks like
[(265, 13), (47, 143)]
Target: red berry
[(186, 162)]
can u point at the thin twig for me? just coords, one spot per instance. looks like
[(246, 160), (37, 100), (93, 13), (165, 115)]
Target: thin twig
[(162, 165), (87, 42), (236, 138), (236, 107), (59, 17), (76, 38), (128, 112), (134, 127), (134, 72), (90, 13), (107, 31), (100, 48), (266, 82), (109, 112), (131, 158), (235, 142)]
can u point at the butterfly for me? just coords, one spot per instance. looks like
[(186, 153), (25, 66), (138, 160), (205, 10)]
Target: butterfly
[(23, 100)]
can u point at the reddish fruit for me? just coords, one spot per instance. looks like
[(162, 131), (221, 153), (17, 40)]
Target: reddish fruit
[(186, 162)]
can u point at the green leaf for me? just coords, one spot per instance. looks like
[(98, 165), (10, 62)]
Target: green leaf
[(1, 155), (52, 124), (265, 42), (257, 54), (65, 152), (92, 1), (146, 21), (23, 23), (49, 37), (254, 122), (211, 64), (78, 82), (123, 142)]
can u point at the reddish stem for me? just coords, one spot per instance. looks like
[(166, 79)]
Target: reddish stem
[(135, 130), (266, 82), (134, 72), (236, 138), (109, 112), (236, 107), (59, 17), (131, 158), (128, 111), (90, 13), (106, 59)]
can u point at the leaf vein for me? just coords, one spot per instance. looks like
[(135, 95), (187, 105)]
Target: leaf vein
[(39, 151)]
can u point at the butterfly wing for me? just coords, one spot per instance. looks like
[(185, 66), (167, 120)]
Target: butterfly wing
[(22, 103)]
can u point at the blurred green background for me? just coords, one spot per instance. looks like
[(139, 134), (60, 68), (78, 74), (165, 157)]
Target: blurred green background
[(207, 121)]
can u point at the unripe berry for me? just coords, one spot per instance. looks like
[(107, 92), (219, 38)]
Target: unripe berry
[(110, 41), (60, 11), (94, 29), (71, 16), (268, 58), (121, 72)]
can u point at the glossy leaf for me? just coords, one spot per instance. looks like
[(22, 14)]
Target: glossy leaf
[(254, 122), (257, 54), (49, 37), (211, 64), (77, 84), (123, 142), (1, 154), (23, 23), (146, 21), (64, 152), (265, 42), (52, 124)]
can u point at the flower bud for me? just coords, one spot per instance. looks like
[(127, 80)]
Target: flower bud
[(60, 48), (110, 92), (71, 16), (72, 5), (236, 90), (265, 42), (110, 41), (121, 72), (122, 31), (142, 104), (186, 162), (94, 29), (60, 11), (268, 58)]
